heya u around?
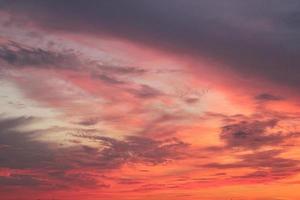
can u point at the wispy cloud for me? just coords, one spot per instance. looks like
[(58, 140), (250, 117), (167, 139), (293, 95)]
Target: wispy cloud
[(18, 55), (116, 153)]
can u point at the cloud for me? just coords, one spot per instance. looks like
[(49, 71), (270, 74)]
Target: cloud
[(88, 122), (268, 165), (19, 55), (108, 79), (256, 38), (257, 142), (67, 180), (268, 97), (145, 91), (18, 144), (122, 70), (257, 131), (22, 153), (130, 181), (53, 180), (7, 124), (135, 149), (251, 134), (111, 154), (19, 180)]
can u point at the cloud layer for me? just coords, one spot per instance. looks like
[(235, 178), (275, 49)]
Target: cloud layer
[(143, 100)]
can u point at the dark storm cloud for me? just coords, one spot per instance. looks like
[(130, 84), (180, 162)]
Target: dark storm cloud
[(257, 37)]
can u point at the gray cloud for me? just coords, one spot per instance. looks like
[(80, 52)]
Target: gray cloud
[(89, 121), (19, 55), (63, 180), (251, 134), (121, 70), (51, 164), (145, 91), (268, 164), (108, 79), (19, 150), (133, 149), (268, 97), (20, 180), (257, 38)]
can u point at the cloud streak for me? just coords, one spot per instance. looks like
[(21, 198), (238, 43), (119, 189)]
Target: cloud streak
[(18, 55)]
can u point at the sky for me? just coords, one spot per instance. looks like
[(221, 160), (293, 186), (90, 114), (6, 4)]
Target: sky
[(149, 100)]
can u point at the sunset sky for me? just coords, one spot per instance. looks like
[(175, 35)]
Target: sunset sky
[(149, 99)]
